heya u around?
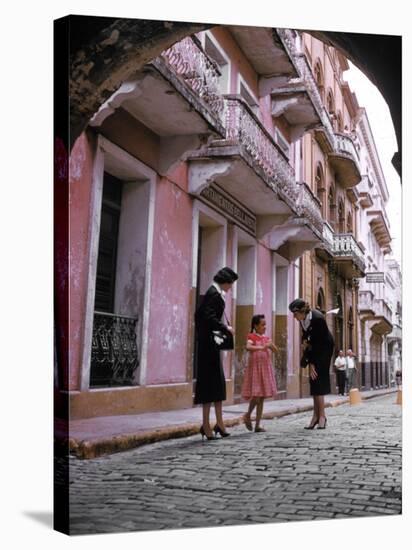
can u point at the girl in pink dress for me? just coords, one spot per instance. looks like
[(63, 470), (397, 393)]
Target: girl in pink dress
[(259, 380)]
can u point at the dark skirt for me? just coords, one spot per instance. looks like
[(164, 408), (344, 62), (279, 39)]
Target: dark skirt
[(321, 386), (210, 381)]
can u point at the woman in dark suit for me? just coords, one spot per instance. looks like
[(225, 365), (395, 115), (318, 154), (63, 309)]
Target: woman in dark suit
[(210, 381), (318, 346)]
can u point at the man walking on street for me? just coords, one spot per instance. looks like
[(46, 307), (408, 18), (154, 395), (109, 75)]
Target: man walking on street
[(350, 370), (340, 368)]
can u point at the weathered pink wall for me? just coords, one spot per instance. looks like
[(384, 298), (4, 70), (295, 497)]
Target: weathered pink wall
[(80, 189), (171, 268), (239, 63), (264, 286)]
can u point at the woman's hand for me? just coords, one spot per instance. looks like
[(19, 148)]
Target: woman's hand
[(312, 372)]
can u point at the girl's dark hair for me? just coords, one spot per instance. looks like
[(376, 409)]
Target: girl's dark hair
[(256, 320)]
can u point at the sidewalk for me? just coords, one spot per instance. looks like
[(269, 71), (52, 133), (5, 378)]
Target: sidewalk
[(93, 437)]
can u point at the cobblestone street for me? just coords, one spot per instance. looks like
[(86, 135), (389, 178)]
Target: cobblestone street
[(351, 469)]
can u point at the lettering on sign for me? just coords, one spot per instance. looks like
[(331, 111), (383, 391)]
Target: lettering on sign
[(231, 208), (375, 277)]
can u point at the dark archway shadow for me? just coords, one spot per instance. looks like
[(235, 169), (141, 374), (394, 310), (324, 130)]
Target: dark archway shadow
[(44, 518)]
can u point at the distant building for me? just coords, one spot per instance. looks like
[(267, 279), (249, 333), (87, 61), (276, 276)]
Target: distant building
[(375, 310)]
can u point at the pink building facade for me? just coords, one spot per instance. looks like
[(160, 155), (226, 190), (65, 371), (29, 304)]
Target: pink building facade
[(194, 163)]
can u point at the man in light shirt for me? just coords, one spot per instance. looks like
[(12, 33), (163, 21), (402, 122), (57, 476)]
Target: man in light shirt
[(350, 370), (340, 368)]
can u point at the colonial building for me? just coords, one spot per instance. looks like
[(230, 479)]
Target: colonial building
[(393, 280), (375, 311), (234, 147), (330, 273)]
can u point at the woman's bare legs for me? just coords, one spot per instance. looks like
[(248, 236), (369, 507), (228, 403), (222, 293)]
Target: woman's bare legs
[(259, 411), (315, 417), (321, 410), (219, 416), (248, 416), (205, 418)]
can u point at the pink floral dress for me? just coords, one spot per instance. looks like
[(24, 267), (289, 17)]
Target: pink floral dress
[(259, 378)]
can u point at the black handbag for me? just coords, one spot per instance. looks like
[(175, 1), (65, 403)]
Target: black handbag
[(223, 340)]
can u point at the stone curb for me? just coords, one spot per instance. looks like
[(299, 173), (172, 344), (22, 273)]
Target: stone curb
[(102, 446)]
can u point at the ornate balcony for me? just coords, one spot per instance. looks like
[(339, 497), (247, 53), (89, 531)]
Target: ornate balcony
[(382, 321), (395, 334), (176, 96), (310, 208), (267, 54), (305, 110), (299, 99), (366, 304), (325, 249), (379, 225), (345, 160), (115, 356), (348, 256), (248, 154)]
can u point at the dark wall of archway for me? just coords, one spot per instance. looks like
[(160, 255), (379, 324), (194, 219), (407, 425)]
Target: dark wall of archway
[(104, 51)]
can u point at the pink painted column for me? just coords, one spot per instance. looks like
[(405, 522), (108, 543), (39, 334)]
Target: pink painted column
[(80, 194)]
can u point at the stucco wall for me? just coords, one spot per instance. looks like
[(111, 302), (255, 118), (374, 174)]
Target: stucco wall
[(171, 268), (80, 197)]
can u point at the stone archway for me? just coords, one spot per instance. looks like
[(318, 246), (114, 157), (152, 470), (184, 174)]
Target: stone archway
[(104, 51)]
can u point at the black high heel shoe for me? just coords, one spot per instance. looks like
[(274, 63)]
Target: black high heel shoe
[(203, 434), (324, 425), (311, 426), (218, 430)]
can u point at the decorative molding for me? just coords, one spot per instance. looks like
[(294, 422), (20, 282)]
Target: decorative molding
[(267, 84), (266, 224), (128, 90), (203, 172)]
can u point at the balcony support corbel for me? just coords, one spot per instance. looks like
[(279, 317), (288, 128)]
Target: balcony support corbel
[(266, 224), (128, 90), (173, 149), (202, 173)]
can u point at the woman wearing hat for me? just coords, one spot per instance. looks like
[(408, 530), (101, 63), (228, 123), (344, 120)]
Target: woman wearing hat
[(318, 346), (210, 381)]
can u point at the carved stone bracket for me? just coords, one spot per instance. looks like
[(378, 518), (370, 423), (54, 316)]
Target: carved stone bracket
[(268, 84), (267, 224), (130, 89), (204, 172), (172, 150), (279, 106), (280, 235), (294, 249)]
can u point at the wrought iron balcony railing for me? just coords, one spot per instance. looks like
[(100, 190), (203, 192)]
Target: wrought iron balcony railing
[(189, 61), (310, 207), (396, 333), (345, 145), (382, 309), (244, 127), (304, 70), (345, 245), (115, 355)]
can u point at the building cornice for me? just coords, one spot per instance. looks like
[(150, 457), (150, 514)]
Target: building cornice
[(372, 151)]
